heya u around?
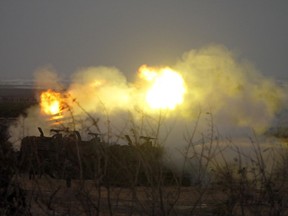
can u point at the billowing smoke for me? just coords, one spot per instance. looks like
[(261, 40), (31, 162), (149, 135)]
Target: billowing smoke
[(101, 89), (215, 82), (233, 91), (47, 78)]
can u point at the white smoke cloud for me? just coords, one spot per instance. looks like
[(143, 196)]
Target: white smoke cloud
[(47, 78), (232, 91)]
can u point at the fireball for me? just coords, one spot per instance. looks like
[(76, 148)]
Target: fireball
[(166, 87), (51, 102)]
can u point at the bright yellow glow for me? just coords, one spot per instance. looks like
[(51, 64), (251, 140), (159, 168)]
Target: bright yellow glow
[(97, 83), (166, 87), (55, 107), (50, 102)]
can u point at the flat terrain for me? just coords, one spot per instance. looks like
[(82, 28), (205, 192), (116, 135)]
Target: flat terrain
[(51, 197)]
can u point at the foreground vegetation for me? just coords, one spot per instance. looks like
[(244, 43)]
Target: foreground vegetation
[(134, 179)]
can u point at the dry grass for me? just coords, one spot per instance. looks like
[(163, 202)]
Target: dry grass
[(52, 197)]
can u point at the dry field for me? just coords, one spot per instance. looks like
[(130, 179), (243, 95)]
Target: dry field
[(51, 197), (48, 196)]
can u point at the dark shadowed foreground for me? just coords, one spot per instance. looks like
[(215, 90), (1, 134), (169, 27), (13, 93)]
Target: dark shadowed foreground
[(63, 175), (141, 186)]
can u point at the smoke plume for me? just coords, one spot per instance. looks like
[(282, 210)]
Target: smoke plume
[(216, 82)]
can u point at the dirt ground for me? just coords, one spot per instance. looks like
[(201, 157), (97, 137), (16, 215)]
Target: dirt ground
[(48, 196)]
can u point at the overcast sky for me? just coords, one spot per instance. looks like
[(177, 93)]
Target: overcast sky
[(71, 34)]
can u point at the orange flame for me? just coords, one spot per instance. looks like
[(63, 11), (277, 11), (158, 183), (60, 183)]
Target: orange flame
[(51, 102)]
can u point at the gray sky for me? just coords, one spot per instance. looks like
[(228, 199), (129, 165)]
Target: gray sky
[(70, 34)]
